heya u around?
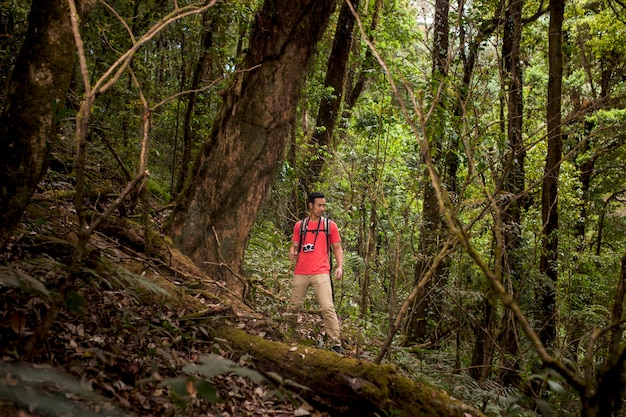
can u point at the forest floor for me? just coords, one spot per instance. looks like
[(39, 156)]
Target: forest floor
[(139, 334), (134, 338)]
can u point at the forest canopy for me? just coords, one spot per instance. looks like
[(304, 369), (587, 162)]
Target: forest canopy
[(470, 153)]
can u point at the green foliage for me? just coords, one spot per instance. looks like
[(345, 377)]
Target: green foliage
[(51, 393), (198, 379), (135, 284), (13, 278), (158, 190), (75, 303), (375, 175)]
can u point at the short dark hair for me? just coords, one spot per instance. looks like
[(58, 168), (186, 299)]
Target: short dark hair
[(313, 196)]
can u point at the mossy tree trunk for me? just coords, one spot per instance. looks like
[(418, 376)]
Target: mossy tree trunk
[(346, 386), (36, 95)]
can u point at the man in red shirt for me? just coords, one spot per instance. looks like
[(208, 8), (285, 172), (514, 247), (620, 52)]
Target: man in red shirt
[(313, 264)]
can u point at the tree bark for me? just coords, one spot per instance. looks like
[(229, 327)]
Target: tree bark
[(369, 257), (482, 353), (37, 90), (236, 166), (513, 184), (549, 196), (349, 387)]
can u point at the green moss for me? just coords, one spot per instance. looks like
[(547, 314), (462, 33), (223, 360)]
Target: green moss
[(158, 190), (351, 381)]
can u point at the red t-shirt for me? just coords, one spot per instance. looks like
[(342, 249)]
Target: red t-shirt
[(317, 261)]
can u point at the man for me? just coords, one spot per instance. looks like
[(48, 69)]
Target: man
[(313, 264)]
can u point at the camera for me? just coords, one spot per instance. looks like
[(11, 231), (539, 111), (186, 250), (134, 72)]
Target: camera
[(309, 247)]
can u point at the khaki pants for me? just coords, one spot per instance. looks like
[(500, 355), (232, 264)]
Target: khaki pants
[(323, 290)]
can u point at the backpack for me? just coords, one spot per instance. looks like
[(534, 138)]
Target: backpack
[(304, 224)]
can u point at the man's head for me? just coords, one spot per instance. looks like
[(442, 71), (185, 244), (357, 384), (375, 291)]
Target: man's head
[(317, 204), (313, 196)]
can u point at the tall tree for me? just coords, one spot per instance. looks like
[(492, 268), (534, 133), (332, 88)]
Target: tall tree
[(484, 346), (549, 196), (334, 85), (512, 181), (37, 90), (201, 71), (236, 166), (431, 228)]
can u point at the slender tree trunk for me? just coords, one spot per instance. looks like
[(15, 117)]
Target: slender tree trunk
[(585, 168), (512, 183), (37, 89), (549, 197), (236, 166), (202, 69), (431, 229), (369, 256), (484, 346), (355, 88), (482, 355), (329, 110)]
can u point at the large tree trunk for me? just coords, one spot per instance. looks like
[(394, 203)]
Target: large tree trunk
[(549, 196), (39, 83), (348, 387), (236, 165)]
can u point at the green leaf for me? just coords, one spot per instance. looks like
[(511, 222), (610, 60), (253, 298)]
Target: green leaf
[(544, 407), (177, 385), (212, 365), (13, 278), (46, 391), (556, 387), (207, 391)]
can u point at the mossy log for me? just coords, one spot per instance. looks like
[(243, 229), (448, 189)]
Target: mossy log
[(347, 386)]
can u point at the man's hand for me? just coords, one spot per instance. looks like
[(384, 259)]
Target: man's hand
[(293, 253), (338, 273)]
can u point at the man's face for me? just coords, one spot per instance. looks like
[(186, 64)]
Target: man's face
[(318, 206)]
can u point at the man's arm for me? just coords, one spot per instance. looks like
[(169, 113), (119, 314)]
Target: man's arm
[(293, 250), (295, 244), (338, 251)]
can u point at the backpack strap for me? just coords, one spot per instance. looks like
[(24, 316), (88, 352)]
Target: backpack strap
[(303, 226), (327, 229), (330, 258)]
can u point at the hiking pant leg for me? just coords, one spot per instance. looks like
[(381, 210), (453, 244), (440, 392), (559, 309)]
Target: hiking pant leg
[(299, 288), (323, 290)]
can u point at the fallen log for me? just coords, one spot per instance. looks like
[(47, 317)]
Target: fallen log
[(347, 386)]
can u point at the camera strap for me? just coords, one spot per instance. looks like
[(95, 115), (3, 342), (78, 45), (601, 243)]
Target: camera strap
[(303, 229)]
